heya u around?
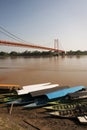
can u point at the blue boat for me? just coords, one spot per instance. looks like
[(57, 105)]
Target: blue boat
[(64, 92)]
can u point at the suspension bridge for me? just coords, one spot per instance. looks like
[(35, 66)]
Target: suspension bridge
[(23, 43), (19, 44)]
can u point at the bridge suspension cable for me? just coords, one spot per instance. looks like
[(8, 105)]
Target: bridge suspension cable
[(11, 35), (23, 43)]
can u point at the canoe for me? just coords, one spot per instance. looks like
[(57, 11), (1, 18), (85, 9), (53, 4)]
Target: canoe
[(78, 111), (7, 97), (34, 105), (43, 92), (19, 102), (63, 92), (36, 88), (37, 102), (66, 114), (35, 85), (63, 114), (19, 99), (66, 106), (61, 107), (66, 100), (78, 95)]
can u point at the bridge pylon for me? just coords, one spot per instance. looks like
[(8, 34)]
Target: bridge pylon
[(57, 51), (56, 44), (56, 47)]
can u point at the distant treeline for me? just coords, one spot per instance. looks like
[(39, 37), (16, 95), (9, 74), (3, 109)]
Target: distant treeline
[(42, 53), (78, 52), (27, 53)]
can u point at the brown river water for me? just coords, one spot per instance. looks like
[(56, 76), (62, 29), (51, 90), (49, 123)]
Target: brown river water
[(71, 71)]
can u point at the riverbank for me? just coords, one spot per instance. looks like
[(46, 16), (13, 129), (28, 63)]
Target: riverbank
[(35, 119)]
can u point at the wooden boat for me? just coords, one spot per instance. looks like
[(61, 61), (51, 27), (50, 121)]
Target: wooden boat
[(66, 100), (8, 88), (37, 102), (63, 92), (5, 95), (42, 92), (61, 107), (19, 102), (66, 105), (8, 98), (78, 111), (78, 95), (35, 88), (18, 99), (35, 85), (7, 91), (63, 114)]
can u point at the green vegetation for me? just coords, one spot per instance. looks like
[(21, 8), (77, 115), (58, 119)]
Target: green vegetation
[(27, 53), (42, 53), (78, 52)]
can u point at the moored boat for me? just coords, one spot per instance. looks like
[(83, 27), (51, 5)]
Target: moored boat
[(61, 107), (35, 88), (74, 113), (64, 92), (78, 95)]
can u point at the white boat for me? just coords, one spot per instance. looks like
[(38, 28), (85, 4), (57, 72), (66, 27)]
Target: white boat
[(34, 88), (35, 85)]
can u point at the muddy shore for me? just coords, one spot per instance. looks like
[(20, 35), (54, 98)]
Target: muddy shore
[(35, 119)]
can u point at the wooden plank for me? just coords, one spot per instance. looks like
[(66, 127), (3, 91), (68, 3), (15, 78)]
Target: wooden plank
[(29, 123), (82, 119), (11, 109)]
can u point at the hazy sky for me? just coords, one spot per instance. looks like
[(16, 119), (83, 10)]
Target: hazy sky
[(42, 21)]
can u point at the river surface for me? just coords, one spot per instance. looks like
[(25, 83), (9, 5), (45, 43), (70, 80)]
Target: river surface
[(63, 70)]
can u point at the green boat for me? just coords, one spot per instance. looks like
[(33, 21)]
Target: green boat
[(65, 104), (78, 111), (61, 107), (19, 99)]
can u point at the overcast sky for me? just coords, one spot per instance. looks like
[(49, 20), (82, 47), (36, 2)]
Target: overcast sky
[(42, 21)]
